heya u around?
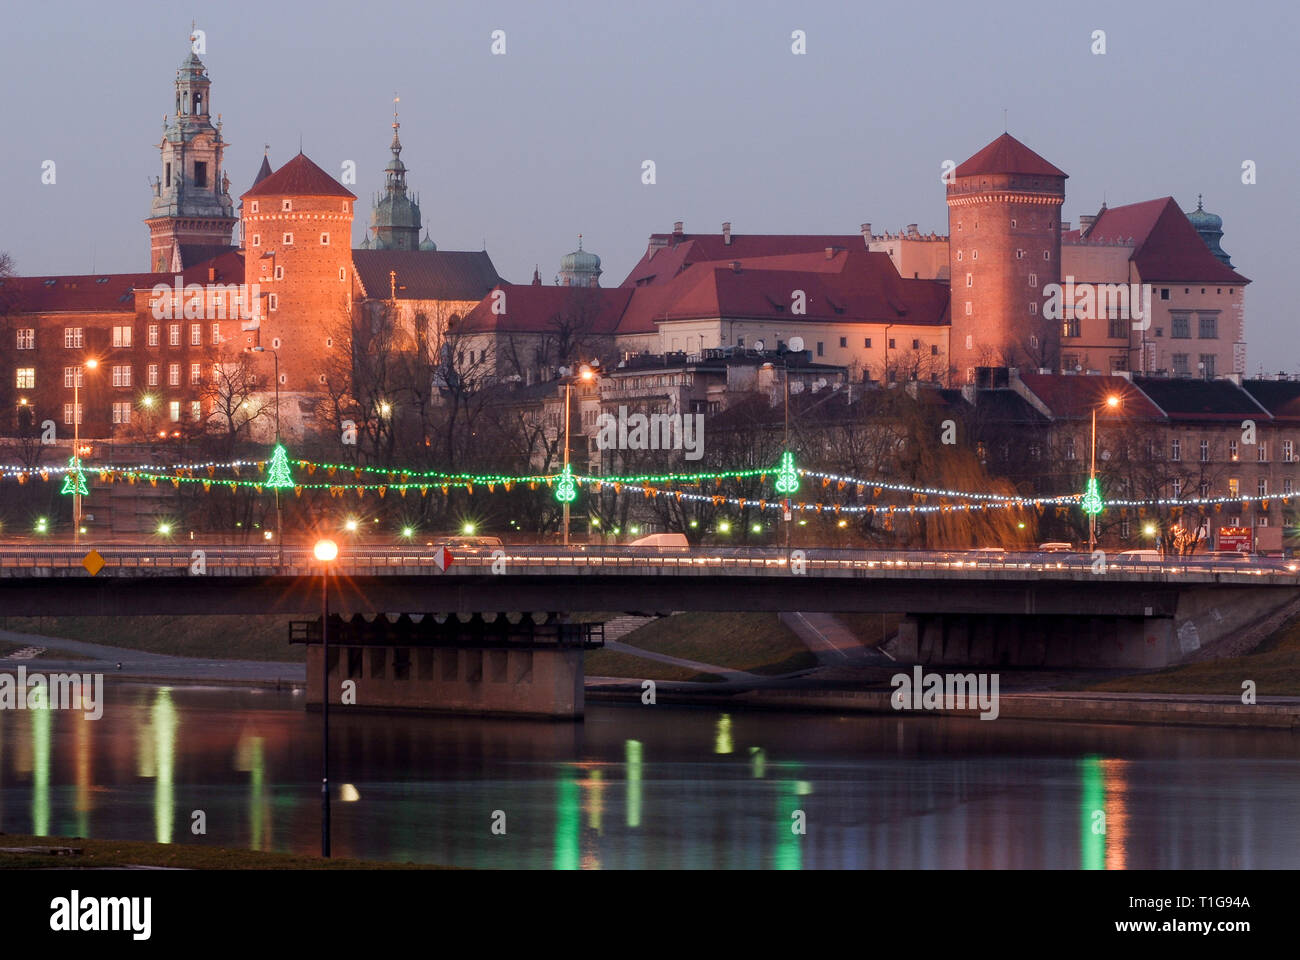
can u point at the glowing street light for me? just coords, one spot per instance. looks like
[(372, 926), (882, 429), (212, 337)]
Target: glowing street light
[(326, 552), (350, 525), (1091, 502), (164, 529)]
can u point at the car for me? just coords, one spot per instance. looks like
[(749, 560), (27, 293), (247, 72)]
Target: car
[(1226, 557), (663, 541), (1056, 546), (1141, 556), (468, 546)]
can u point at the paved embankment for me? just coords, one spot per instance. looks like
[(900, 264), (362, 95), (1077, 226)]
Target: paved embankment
[(152, 667), (1085, 707)]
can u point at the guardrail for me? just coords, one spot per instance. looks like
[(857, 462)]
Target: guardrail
[(370, 559)]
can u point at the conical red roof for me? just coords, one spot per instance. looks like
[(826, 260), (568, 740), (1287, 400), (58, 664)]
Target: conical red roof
[(299, 178), (1006, 154)]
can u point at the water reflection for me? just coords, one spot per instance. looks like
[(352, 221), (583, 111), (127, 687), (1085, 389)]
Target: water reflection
[(669, 787)]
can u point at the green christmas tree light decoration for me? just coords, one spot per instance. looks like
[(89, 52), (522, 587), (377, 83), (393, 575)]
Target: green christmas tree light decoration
[(787, 478), (74, 481), (1091, 502), (278, 474), (565, 490)]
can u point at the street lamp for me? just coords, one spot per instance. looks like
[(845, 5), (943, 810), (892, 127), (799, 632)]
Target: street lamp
[(90, 364), (1111, 402), (587, 375), (326, 552)]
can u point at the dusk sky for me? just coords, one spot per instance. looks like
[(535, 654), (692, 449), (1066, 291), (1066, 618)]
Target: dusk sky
[(525, 151)]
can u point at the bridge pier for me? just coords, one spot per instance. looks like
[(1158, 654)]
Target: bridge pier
[(476, 666)]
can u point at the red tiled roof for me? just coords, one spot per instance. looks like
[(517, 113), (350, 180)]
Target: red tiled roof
[(659, 265), (299, 178), (1075, 397), (112, 293), (540, 309), (1187, 398), (1006, 154), (1166, 245)]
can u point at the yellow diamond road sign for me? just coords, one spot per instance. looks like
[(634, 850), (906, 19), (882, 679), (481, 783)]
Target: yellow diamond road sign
[(93, 562)]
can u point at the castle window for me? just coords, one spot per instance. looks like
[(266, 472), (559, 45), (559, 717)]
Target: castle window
[(1013, 223), (174, 409), (1164, 293), (345, 206), (968, 308), (1047, 254), (200, 173), (1033, 279), (174, 335), (272, 301), (173, 374), (959, 256), (343, 274), (167, 174), (974, 254), (970, 280), (286, 205), (275, 343), (153, 334), (329, 342), (916, 344), (1020, 254), (288, 239), (26, 379), (121, 375), (257, 239), (891, 343), (122, 411), (73, 338), (866, 342), (67, 413), (1033, 308), (196, 334), (324, 239), (279, 272), (844, 341), (284, 378), (196, 411), (153, 374), (73, 376), (216, 333), (27, 339), (196, 374), (121, 336), (254, 207)]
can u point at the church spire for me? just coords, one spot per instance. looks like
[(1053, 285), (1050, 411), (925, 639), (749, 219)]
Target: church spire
[(396, 216)]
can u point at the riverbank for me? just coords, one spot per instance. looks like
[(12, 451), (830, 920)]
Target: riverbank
[(27, 852)]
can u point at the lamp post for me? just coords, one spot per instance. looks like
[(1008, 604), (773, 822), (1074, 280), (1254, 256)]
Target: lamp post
[(586, 374), (326, 552), (90, 364), (1112, 401), (279, 538)]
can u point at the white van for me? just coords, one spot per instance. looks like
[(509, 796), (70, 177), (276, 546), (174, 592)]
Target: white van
[(663, 541), (1142, 556)]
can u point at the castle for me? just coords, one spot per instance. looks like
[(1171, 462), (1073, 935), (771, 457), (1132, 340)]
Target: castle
[(280, 297)]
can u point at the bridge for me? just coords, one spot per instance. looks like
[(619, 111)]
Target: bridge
[(960, 606)]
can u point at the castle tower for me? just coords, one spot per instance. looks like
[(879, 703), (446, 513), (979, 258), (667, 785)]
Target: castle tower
[(297, 227), (1210, 227), (395, 219), (1004, 248), (191, 198)]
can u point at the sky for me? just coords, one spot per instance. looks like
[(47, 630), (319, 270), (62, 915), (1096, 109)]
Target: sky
[(521, 152)]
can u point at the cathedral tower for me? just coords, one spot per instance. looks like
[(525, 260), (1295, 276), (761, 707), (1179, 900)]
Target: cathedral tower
[(395, 219), (191, 211), (1004, 248)]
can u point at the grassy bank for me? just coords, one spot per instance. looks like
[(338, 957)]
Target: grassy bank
[(612, 663), (756, 642), (263, 637), (119, 853), (1274, 667)]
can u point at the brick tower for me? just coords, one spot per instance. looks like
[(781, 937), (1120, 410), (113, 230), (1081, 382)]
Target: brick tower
[(191, 210), (297, 227), (1004, 247)]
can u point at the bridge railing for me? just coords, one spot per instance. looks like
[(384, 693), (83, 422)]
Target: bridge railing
[(363, 558)]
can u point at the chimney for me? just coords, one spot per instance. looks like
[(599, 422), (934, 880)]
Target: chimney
[(212, 274), (735, 266), (866, 233), (912, 231), (830, 253), (1085, 225), (677, 228), (1065, 226), (726, 233)]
